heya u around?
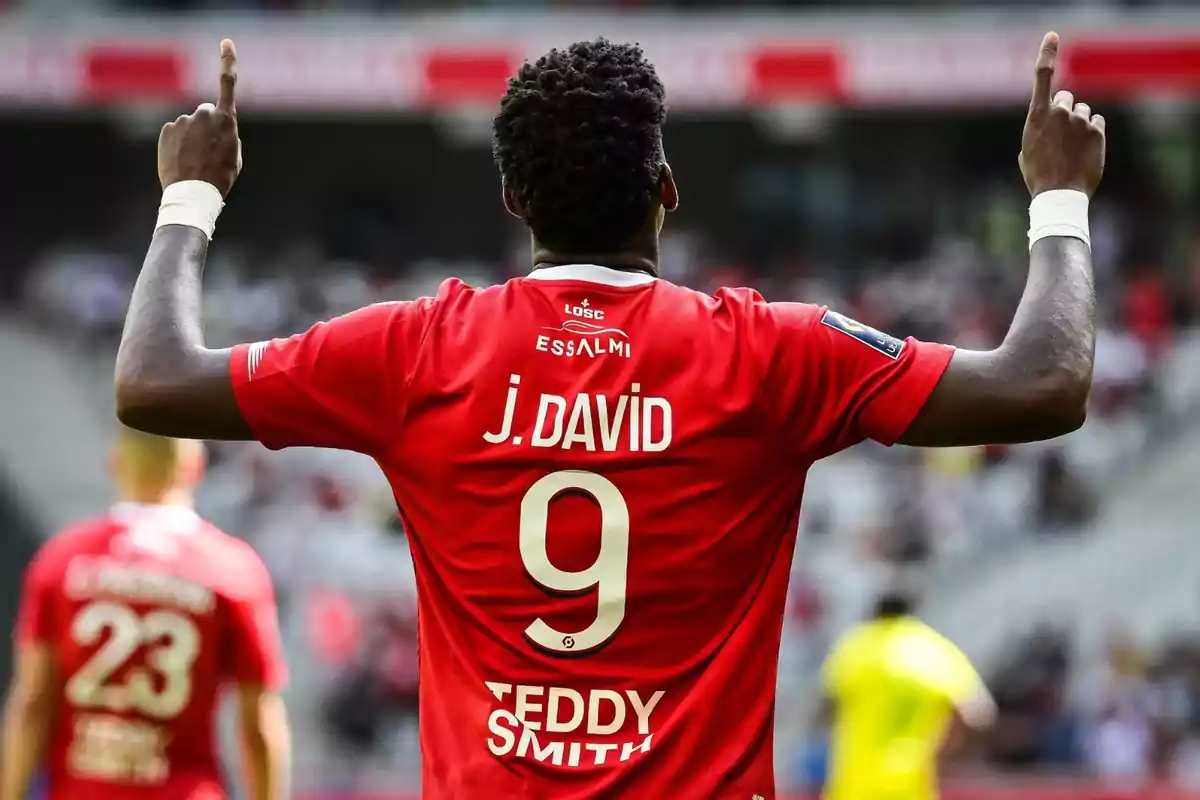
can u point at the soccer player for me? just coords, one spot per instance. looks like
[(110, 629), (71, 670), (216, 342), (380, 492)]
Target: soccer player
[(130, 625), (894, 686), (600, 472)]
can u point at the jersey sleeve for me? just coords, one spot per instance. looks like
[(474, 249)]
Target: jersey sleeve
[(831, 382), (339, 384), (257, 649), (961, 685), (35, 618)]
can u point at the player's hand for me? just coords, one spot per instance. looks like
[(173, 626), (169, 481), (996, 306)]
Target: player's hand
[(204, 145), (1062, 146)]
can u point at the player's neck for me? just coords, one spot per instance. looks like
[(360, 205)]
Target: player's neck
[(637, 259), (173, 497)]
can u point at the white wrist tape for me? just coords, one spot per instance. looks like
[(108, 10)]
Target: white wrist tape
[(193, 203), (1059, 212)]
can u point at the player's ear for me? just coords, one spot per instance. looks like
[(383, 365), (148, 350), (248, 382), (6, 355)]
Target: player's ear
[(668, 192), (511, 203)]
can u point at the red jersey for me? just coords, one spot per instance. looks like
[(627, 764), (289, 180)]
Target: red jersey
[(600, 475), (149, 612)]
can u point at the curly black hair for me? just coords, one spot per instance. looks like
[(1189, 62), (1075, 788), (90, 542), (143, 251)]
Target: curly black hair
[(578, 141)]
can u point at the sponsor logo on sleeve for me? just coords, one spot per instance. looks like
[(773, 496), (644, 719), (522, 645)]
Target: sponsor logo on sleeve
[(890, 346)]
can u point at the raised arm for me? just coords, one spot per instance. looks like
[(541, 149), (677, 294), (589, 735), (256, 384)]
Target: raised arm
[(167, 381), (340, 384), (1036, 384)]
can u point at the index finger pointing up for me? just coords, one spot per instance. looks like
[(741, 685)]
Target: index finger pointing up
[(1044, 75), (225, 100)]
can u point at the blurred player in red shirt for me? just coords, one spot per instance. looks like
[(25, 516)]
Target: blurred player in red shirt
[(130, 626), (600, 472)]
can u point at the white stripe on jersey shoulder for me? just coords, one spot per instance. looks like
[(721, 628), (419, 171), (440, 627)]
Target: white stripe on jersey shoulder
[(254, 356), (592, 273)]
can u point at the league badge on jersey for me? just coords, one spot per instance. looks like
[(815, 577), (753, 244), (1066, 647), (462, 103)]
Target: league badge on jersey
[(890, 346)]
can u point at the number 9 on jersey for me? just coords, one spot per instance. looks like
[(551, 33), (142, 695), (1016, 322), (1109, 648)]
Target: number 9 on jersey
[(608, 573)]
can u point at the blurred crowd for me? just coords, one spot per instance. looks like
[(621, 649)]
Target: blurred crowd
[(1134, 719)]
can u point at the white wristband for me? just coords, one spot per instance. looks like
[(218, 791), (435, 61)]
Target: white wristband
[(1059, 212), (193, 203)]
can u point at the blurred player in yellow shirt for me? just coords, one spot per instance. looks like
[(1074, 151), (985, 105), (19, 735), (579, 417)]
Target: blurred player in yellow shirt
[(896, 689)]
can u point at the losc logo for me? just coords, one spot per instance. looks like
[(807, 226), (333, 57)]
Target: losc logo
[(583, 310)]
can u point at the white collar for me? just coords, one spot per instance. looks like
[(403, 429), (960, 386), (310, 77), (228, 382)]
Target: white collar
[(128, 512), (592, 273)]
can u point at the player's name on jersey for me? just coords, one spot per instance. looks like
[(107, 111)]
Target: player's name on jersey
[(590, 422), (545, 723), (89, 577)]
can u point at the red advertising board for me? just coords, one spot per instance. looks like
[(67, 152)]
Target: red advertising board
[(706, 64)]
